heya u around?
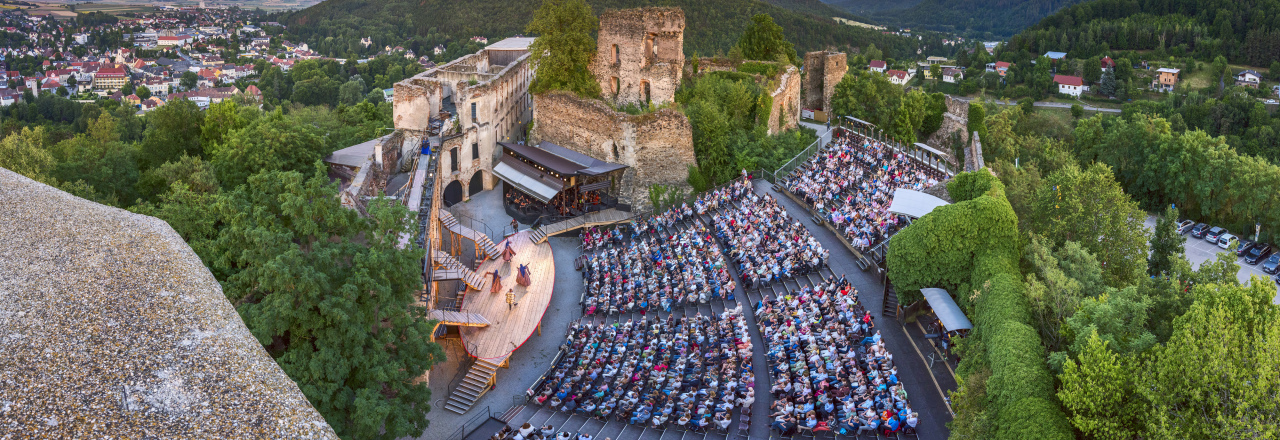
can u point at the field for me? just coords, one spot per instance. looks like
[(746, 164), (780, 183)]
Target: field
[(114, 8)]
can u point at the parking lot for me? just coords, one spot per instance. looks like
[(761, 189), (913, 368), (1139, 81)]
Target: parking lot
[(1198, 250)]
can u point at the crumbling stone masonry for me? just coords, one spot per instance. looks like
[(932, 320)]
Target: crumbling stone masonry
[(657, 146), (955, 120), (823, 70), (785, 111), (489, 91), (640, 55)]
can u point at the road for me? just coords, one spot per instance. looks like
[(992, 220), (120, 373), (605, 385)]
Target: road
[(1052, 105)]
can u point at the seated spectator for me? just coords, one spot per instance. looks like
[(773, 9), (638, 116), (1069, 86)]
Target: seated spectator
[(765, 244), (659, 271)]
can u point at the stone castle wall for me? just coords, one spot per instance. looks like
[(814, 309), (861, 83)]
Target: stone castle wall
[(415, 101), (657, 146), (955, 120), (823, 70), (639, 55), (785, 113)]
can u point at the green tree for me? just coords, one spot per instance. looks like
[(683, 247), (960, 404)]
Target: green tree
[(101, 161), (873, 53), (764, 40), (271, 143), (188, 80), (351, 92), (1077, 111), (143, 92), (220, 118), (172, 131), (1089, 207), (1100, 393), (935, 72), (564, 48), (23, 152), (977, 121), (1166, 243), (1274, 70), (1124, 69), (1092, 70), (326, 292)]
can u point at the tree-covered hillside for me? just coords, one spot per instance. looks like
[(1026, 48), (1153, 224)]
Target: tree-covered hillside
[(1245, 32), (974, 17), (335, 27)]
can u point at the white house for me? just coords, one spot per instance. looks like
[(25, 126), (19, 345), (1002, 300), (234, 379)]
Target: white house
[(898, 77), (1069, 85), (952, 75), (876, 66)]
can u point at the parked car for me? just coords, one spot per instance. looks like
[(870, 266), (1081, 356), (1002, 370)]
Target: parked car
[(1246, 245), (1270, 265), (1199, 230), (1259, 252), (1278, 280), (1185, 226), (1225, 240), (1213, 234)]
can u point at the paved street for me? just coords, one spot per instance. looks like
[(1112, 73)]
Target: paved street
[(1199, 251)]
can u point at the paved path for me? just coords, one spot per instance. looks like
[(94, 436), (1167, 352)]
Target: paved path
[(1087, 107)]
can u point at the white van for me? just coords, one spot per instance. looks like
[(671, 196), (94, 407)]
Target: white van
[(1225, 240)]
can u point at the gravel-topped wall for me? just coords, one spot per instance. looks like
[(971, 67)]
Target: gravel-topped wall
[(110, 327)]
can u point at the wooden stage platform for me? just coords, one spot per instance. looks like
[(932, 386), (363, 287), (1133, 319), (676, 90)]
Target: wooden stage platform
[(509, 327)]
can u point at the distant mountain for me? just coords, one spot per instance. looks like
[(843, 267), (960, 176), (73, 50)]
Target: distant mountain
[(1001, 18), (1245, 32), (335, 27)]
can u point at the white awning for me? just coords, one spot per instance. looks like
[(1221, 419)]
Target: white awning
[(912, 203), (528, 184), (946, 309)]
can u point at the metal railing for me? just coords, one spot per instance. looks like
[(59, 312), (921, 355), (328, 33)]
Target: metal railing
[(471, 424)]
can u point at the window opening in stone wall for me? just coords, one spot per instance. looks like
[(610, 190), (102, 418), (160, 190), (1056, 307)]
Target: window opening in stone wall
[(615, 151), (473, 113), (616, 57), (617, 85), (645, 87), (453, 160), (648, 49), (475, 151)]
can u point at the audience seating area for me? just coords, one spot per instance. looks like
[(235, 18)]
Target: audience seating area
[(766, 244), (656, 271), (850, 183), (830, 370), (687, 372)]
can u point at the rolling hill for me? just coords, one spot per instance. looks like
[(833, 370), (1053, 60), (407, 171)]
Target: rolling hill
[(335, 27), (1243, 32), (1001, 18)]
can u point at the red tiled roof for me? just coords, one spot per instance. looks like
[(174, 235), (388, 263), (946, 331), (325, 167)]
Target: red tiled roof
[(1067, 80), (1004, 64), (896, 73), (110, 71), (878, 64)]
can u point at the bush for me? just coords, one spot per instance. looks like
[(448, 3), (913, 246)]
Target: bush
[(768, 70)]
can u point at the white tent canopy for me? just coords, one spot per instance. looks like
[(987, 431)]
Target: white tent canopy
[(913, 203), (530, 185), (946, 309)]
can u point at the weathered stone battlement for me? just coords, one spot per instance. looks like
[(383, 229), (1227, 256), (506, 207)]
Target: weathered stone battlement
[(823, 70), (113, 328), (640, 55), (658, 146)]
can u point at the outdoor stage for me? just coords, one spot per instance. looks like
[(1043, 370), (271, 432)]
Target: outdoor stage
[(510, 327)]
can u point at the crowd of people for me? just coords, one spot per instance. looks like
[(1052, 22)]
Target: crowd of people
[(681, 371), (851, 182), (830, 370), (765, 243), (657, 271), (546, 432)]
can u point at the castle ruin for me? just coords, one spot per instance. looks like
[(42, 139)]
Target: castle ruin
[(640, 55), (823, 70)]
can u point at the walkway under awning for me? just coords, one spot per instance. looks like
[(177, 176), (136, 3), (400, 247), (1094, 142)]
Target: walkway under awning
[(527, 179), (946, 309), (913, 203)]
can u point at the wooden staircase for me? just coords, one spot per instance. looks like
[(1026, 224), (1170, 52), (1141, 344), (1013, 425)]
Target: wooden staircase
[(478, 381), (458, 318), (538, 236), (598, 218), (455, 269), (451, 223), (890, 301)]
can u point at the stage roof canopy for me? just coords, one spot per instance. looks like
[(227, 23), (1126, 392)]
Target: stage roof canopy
[(528, 179), (913, 203), (563, 160), (946, 309)]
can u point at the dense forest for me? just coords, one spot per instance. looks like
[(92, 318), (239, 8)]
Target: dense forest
[(335, 27), (989, 18), (1246, 32)]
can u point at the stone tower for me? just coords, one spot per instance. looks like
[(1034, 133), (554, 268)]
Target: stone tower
[(640, 55), (823, 70)]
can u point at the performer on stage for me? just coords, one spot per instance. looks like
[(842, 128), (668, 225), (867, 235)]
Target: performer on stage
[(497, 282), (522, 277), (508, 253)]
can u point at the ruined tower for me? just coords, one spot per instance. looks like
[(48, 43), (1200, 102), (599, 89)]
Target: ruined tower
[(640, 55), (823, 70)]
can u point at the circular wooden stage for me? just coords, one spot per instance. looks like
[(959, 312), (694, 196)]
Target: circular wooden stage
[(510, 326)]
